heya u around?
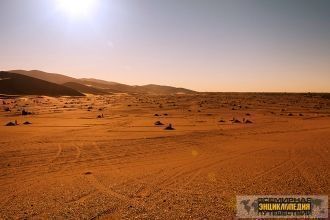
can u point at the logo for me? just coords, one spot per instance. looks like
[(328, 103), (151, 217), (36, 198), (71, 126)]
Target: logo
[(265, 206)]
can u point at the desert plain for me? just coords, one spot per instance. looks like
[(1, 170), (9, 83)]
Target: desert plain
[(103, 157)]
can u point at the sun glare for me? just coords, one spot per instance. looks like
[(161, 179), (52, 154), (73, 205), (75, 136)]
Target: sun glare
[(77, 8)]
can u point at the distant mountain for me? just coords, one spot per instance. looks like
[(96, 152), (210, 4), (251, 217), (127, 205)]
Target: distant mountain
[(99, 81), (70, 82), (110, 86), (18, 84), (97, 86), (50, 77), (157, 89), (148, 89), (85, 89)]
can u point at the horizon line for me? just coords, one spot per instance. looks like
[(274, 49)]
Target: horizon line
[(293, 92)]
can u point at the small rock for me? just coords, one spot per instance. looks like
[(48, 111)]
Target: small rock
[(158, 123), (10, 124), (236, 121), (169, 127), (26, 112)]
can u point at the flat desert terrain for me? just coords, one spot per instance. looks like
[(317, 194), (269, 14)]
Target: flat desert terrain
[(103, 157)]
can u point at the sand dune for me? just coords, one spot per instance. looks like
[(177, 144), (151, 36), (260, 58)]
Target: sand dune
[(50, 77), (71, 164), (97, 87), (17, 84), (85, 89)]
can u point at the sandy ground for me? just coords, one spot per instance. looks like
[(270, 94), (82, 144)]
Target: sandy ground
[(70, 164)]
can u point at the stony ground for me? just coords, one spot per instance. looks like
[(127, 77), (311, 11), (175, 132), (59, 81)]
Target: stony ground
[(103, 157)]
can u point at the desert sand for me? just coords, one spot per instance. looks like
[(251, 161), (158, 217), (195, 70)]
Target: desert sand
[(103, 157)]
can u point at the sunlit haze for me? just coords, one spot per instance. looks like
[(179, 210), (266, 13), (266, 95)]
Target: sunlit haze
[(77, 8), (213, 45)]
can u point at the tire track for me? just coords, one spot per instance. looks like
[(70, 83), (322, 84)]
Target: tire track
[(92, 180), (100, 187), (156, 187), (309, 179), (83, 197), (58, 153), (272, 169), (78, 152)]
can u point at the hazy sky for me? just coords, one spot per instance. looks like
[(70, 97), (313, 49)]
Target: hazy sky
[(220, 45)]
